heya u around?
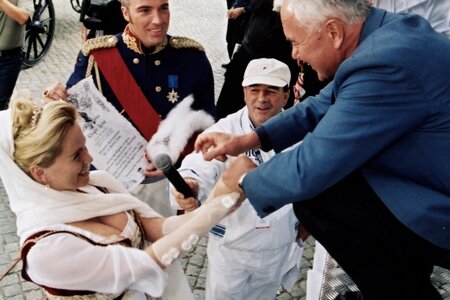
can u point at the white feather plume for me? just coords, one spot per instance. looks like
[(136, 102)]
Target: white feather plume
[(176, 129)]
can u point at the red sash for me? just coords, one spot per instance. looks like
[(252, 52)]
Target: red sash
[(127, 91)]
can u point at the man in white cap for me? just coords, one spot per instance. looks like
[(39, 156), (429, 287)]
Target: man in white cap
[(247, 255)]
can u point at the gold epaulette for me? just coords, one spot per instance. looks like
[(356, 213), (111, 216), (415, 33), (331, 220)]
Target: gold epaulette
[(106, 41), (184, 42)]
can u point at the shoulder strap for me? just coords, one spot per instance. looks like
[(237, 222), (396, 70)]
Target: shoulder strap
[(179, 42), (127, 90)]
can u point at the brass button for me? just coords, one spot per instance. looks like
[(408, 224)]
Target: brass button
[(135, 61), (158, 89), (157, 62)]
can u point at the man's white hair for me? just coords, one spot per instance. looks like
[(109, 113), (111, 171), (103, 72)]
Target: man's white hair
[(277, 4), (312, 13)]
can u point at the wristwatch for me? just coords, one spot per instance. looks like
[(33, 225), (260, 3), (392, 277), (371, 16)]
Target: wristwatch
[(241, 180)]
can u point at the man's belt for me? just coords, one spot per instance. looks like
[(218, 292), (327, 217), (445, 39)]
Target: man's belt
[(10, 52)]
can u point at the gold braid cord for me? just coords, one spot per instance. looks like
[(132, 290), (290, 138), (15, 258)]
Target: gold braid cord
[(178, 42), (106, 41), (90, 66)]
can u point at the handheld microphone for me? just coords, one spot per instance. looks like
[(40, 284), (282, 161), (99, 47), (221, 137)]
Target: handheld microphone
[(164, 163)]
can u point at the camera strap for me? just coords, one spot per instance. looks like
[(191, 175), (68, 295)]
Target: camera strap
[(127, 91)]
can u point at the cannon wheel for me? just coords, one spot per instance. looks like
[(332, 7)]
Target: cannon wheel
[(39, 32), (76, 5)]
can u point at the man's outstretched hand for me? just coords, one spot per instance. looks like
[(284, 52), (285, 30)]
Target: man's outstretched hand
[(217, 145)]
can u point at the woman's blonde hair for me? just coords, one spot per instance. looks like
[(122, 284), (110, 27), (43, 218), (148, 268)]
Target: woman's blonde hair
[(39, 132)]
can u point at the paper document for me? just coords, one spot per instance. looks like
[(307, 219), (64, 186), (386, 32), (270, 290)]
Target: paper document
[(115, 145)]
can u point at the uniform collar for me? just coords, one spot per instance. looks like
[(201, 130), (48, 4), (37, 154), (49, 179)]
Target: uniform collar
[(134, 44), (373, 22)]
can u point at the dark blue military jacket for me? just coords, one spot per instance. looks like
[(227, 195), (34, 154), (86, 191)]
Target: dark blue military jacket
[(177, 68)]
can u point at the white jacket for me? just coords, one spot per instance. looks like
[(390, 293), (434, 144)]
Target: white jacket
[(242, 229)]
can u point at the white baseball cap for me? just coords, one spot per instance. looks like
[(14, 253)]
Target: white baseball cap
[(267, 71)]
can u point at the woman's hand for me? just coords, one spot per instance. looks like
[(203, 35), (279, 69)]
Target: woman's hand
[(55, 92), (240, 165), (190, 203), (235, 12), (152, 171)]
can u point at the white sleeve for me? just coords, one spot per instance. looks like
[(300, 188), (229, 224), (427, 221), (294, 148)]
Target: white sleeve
[(65, 261), (205, 172)]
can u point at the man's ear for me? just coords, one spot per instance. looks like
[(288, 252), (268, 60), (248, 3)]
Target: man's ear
[(286, 96), (335, 31), (38, 174), (125, 13)]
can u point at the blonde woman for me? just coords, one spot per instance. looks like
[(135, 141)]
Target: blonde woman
[(82, 235)]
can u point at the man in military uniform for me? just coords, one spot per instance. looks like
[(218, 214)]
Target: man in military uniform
[(144, 60), (166, 68)]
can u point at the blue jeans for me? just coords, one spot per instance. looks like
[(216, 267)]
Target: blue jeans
[(10, 67)]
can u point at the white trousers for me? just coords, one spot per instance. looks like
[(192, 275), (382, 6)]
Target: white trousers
[(238, 274)]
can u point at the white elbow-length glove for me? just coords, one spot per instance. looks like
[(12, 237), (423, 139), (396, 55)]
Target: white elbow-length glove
[(185, 231)]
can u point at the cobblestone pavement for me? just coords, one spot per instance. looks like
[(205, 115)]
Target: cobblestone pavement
[(199, 19), (204, 21)]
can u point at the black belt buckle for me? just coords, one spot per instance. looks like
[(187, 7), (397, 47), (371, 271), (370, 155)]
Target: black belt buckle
[(10, 52)]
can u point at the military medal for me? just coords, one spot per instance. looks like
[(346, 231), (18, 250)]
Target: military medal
[(173, 96)]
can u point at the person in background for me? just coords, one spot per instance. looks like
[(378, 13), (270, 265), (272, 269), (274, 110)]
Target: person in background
[(82, 235), (13, 19), (247, 255), (158, 69), (237, 15), (307, 84), (263, 38), (437, 12), (101, 18), (370, 179)]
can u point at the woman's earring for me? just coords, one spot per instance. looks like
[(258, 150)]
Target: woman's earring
[(46, 186)]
